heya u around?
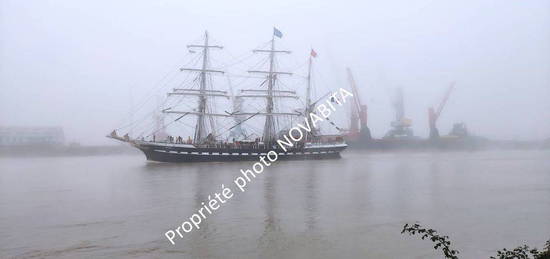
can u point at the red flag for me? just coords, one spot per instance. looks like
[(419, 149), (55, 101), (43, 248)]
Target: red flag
[(313, 53)]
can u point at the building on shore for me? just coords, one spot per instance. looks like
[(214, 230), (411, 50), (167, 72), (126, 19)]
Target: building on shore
[(31, 136)]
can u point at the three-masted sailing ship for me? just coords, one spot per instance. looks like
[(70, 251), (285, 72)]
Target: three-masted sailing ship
[(205, 145)]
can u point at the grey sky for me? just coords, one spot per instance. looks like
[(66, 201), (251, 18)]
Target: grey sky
[(73, 63)]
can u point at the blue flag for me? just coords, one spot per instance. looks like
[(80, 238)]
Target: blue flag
[(277, 32)]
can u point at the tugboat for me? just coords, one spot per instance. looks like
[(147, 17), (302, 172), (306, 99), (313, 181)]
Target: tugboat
[(207, 144)]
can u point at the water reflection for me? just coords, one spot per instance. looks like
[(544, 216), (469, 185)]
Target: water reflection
[(361, 188), (400, 187), (311, 196), (353, 207), (272, 230)]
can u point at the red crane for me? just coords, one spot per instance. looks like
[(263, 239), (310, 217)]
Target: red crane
[(433, 115), (358, 122)]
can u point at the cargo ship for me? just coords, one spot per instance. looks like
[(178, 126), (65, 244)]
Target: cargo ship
[(401, 136)]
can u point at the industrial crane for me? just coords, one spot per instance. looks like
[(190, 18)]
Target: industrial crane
[(433, 115), (358, 122), (401, 126)]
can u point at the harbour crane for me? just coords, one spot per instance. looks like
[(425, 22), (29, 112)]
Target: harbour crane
[(358, 122), (401, 126), (433, 115)]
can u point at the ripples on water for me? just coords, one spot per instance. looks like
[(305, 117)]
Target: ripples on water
[(120, 206)]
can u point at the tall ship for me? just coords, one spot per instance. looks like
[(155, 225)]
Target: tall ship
[(198, 101)]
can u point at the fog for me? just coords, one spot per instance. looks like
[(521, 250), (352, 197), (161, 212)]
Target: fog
[(85, 65)]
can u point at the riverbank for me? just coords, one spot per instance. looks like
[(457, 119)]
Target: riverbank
[(68, 150)]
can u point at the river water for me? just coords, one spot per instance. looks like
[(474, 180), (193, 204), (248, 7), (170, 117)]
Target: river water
[(354, 207)]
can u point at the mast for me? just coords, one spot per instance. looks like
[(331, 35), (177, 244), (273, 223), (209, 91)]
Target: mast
[(309, 135), (269, 133), (199, 127), (269, 127), (308, 90), (202, 93)]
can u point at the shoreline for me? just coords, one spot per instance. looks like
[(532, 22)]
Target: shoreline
[(65, 151)]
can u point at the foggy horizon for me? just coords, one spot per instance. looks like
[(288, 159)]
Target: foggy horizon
[(128, 131), (82, 65)]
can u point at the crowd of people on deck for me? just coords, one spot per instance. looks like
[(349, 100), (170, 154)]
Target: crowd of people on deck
[(211, 142)]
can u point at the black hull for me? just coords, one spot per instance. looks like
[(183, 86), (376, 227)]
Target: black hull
[(183, 158), (175, 154)]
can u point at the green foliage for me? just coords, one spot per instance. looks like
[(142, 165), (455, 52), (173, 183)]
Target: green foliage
[(546, 252), (524, 252), (520, 252), (440, 241)]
